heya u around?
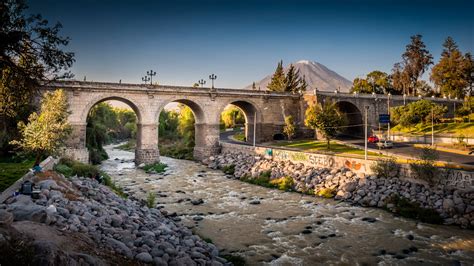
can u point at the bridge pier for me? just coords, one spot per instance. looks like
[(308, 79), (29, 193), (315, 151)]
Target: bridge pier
[(76, 144), (147, 144), (206, 140)]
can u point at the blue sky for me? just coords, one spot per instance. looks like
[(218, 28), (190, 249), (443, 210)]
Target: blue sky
[(241, 41)]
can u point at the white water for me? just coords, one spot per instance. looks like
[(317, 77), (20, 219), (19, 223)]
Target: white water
[(271, 233)]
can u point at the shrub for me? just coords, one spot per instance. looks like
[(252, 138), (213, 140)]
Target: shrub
[(64, 169), (229, 169), (283, 183), (155, 167), (262, 180), (408, 209), (150, 200), (326, 192), (425, 168), (386, 168), (110, 183), (84, 170)]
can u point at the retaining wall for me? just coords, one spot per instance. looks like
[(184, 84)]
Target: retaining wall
[(448, 177)]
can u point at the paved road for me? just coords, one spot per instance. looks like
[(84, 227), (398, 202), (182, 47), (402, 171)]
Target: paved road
[(226, 137), (407, 149)]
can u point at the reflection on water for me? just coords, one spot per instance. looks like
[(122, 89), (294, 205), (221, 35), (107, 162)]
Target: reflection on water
[(287, 228)]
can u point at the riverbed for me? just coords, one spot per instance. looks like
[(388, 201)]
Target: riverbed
[(272, 227)]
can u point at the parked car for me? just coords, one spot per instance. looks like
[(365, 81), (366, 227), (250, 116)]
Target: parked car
[(385, 144), (373, 139)]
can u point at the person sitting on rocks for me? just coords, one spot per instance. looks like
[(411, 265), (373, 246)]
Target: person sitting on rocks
[(99, 178)]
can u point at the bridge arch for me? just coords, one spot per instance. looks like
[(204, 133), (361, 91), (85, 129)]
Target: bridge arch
[(354, 118), (139, 110), (252, 114)]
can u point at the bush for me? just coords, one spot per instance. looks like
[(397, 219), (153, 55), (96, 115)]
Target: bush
[(64, 169), (229, 169), (386, 168), (413, 210), (262, 180), (155, 167), (150, 200), (326, 192), (84, 170), (425, 168), (283, 183)]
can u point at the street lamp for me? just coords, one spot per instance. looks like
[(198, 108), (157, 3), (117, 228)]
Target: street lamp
[(202, 82), (212, 77), (151, 73), (404, 98), (145, 79), (455, 100)]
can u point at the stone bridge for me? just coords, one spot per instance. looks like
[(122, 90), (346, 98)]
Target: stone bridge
[(262, 109)]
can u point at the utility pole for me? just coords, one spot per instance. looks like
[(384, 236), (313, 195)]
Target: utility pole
[(388, 111), (432, 127), (365, 140)]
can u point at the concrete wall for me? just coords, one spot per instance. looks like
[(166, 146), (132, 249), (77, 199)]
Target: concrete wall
[(450, 177)]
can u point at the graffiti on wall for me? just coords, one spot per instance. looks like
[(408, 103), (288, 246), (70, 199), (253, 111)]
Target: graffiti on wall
[(310, 159), (457, 178)]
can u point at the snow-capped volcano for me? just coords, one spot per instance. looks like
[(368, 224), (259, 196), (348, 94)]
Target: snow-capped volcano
[(316, 75)]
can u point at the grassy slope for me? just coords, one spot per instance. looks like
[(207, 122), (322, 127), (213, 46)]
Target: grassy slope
[(456, 129), (11, 171), (320, 146)]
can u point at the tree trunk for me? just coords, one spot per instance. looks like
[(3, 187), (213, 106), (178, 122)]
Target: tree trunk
[(329, 144), (38, 158)]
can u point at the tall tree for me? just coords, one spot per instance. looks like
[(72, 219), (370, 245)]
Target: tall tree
[(327, 118), (400, 79), (46, 132), (303, 85), (451, 74), (292, 79), (277, 82), (253, 86), (30, 52), (416, 60)]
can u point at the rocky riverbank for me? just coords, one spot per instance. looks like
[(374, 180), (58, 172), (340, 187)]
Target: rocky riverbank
[(397, 195), (100, 228)]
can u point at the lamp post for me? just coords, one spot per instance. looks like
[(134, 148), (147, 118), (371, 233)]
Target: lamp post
[(454, 113), (365, 140), (145, 79), (212, 77), (404, 98), (151, 73), (201, 82)]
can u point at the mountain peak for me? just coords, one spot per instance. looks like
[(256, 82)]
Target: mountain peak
[(316, 76)]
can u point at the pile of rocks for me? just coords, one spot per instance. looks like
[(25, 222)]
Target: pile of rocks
[(454, 206), (123, 226)]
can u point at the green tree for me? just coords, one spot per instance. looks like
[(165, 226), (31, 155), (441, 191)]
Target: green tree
[(327, 118), (376, 81), (292, 79), (451, 74), (30, 53), (418, 112), (290, 128), (277, 82), (231, 116), (186, 124), (168, 124), (415, 61), (303, 85), (46, 132)]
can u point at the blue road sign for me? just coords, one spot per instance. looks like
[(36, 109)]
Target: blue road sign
[(384, 118)]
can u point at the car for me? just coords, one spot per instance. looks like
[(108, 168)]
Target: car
[(385, 144), (373, 139)]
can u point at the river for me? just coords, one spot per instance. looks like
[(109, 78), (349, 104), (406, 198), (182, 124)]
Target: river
[(287, 228)]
